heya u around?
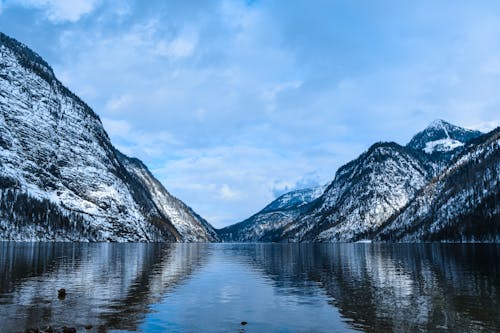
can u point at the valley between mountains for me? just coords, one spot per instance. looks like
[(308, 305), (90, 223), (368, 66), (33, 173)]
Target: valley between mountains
[(61, 179)]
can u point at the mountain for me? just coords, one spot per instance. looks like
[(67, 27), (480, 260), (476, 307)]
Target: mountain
[(363, 194), (441, 136), (442, 141), (461, 204), (262, 226), (60, 176), (367, 194)]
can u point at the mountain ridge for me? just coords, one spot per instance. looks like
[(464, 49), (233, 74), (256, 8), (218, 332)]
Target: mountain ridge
[(375, 188), (60, 176), (262, 225)]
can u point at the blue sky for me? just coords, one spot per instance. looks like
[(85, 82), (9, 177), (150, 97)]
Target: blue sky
[(231, 103)]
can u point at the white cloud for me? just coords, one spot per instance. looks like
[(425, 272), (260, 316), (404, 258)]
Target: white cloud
[(181, 46), (228, 194), (136, 142), (117, 103), (63, 10), (270, 94), (308, 180), (485, 126), (231, 182), (117, 128)]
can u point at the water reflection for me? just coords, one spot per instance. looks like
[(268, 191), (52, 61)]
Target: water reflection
[(394, 287), (109, 286), (275, 287)]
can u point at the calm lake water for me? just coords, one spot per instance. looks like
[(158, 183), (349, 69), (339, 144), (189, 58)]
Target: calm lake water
[(273, 287)]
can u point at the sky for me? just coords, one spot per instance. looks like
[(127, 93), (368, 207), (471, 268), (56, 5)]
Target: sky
[(232, 103)]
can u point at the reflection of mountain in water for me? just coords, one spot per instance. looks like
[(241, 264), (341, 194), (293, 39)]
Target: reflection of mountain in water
[(381, 288), (108, 285), (375, 287)]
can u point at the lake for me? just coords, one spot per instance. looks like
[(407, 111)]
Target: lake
[(272, 287)]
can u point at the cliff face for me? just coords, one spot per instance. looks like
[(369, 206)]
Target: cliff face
[(60, 176)]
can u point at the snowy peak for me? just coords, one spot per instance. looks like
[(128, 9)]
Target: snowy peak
[(266, 225), (460, 204), (295, 199), (441, 136)]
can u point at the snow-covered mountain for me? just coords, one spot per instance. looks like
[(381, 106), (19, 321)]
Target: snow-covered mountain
[(460, 204), (364, 194), (441, 136), (265, 225), (60, 176), (368, 194)]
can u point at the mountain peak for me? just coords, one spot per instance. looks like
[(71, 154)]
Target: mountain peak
[(441, 136), (295, 198), (440, 123)]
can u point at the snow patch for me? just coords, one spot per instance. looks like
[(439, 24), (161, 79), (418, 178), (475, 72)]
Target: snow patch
[(443, 145)]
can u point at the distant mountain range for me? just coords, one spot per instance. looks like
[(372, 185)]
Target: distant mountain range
[(263, 226), (442, 186), (60, 176)]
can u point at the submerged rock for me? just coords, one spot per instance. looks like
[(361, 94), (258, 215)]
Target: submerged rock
[(68, 329), (61, 293)]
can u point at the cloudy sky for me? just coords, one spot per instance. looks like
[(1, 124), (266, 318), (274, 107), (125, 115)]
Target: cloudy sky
[(231, 103)]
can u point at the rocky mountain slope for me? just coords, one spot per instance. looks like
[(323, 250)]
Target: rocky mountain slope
[(262, 226), (368, 194), (461, 204), (60, 176), (364, 193)]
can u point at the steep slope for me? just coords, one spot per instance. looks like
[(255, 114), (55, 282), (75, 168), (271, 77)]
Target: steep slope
[(264, 225), (60, 176), (461, 204), (364, 193), (190, 225)]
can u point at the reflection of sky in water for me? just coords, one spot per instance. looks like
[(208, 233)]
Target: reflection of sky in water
[(274, 287), (225, 292)]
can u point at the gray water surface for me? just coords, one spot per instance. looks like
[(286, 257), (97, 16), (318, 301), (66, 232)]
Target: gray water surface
[(273, 287)]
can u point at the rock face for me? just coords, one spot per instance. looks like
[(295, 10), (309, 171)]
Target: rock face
[(265, 226), (190, 225), (60, 176), (364, 193), (443, 185), (461, 204)]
